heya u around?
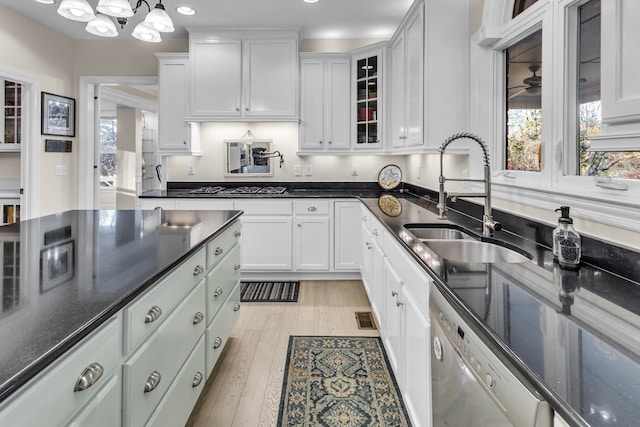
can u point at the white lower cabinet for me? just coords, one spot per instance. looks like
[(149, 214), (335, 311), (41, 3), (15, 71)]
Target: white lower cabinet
[(58, 394), (394, 321), (311, 235), (346, 235), (104, 410), (219, 330)]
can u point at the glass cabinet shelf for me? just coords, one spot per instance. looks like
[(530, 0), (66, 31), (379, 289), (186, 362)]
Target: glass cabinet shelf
[(368, 88), (11, 100)]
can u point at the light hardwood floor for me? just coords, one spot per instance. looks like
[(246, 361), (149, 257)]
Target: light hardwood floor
[(244, 389)]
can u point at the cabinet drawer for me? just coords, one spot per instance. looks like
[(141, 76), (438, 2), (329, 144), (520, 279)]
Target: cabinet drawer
[(219, 247), (52, 399), (176, 406), (148, 312), (221, 281), (311, 207), (149, 372), (104, 408), (220, 329), (264, 207)]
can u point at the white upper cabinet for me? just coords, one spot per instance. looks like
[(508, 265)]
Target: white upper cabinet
[(11, 122), (247, 75), (325, 121), (406, 93), (368, 96), (175, 135)]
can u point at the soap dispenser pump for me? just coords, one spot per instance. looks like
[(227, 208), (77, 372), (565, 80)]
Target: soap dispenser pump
[(566, 241)]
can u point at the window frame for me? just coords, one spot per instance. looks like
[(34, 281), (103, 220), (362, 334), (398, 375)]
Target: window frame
[(552, 186)]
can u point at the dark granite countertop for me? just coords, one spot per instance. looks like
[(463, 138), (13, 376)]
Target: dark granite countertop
[(572, 334), (65, 274)]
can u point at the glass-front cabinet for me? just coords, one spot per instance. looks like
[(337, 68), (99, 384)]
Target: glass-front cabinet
[(368, 99), (11, 123)]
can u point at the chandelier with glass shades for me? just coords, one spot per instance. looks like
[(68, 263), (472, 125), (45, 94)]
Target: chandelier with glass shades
[(99, 23)]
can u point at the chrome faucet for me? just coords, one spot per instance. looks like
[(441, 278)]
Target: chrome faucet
[(488, 223)]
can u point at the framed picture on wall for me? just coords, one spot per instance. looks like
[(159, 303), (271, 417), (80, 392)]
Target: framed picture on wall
[(56, 266), (58, 115)]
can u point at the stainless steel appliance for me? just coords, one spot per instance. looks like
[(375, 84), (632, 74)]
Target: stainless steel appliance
[(471, 385)]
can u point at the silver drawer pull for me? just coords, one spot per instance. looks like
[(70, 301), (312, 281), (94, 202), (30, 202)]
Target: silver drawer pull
[(364, 218), (237, 233), (236, 307), (312, 209), (375, 232), (218, 292), (152, 381), (198, 318), (219, 251), (394, 293), (399, 304), (217, 343), (236, 266), (197, 379), (198, 270), (153, 314), (89, 377)]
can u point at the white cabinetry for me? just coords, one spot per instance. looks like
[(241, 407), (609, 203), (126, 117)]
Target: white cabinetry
[(311, 235), (325, 81), (243, 74), (406, 80), (368, 89), (266, 234), (175, 136), (11, 120), (346, 235)]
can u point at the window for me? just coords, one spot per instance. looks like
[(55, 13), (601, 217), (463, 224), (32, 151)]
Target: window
[(520, 6), (524, 104), (108, 152), (610, 164)]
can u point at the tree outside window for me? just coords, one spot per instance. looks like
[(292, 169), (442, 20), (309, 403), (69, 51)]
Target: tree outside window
[(108, 152)]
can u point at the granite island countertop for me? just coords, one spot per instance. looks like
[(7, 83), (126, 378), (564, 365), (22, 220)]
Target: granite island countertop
[(572, 334), (65, 274)]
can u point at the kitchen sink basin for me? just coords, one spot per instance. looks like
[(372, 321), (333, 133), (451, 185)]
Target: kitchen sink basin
[(474, 251), (429, 233)]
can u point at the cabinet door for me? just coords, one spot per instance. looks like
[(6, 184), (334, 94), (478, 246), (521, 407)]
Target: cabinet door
[(393, 320), (347, 236), (397, 91), (378, 294), (104, 409), (337, 96), (312, 104), (270, 78), (416, 365), (311, 237), (216, 78), (266, 243), (366, 259), (173, 132), (414, 87)]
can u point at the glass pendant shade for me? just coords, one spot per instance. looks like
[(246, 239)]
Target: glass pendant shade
[(159, 19), (76, 10), (115, 8), (146, 32), (102, 26)]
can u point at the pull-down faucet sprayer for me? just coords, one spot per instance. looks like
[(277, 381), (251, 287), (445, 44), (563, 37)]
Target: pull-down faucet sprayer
[(488, 223)]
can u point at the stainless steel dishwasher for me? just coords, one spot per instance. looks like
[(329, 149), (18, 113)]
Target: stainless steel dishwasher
[(471, 386)]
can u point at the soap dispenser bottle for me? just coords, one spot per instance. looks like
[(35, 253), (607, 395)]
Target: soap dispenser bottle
[(566, 241)]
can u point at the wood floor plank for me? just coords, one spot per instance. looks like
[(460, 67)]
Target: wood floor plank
[(244, 389)]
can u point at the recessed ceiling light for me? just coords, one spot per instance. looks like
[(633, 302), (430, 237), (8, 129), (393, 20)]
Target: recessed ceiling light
[(185, 10), (46, 1), (310, 1)]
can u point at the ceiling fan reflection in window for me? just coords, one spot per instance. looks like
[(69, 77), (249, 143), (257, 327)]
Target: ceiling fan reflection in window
[(531, 84)]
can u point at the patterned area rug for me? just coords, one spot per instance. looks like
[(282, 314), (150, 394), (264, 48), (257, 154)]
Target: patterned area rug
[(269, 291), (338, 382)]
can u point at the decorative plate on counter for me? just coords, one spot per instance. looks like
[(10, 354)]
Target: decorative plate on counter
[(390, 177), (389, 205)]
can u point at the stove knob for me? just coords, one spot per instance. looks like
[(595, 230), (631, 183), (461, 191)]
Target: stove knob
[(488, 379)]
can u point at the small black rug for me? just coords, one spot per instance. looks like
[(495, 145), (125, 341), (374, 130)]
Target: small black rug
[(269, 291)]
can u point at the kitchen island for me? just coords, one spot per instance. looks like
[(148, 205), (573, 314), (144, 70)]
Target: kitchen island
[(82, 277)]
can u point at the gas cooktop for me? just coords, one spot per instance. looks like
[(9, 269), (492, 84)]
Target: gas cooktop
[(239, 190)]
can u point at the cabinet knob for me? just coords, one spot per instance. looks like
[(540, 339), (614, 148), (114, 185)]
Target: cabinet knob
[(219, 251), (89, 377), (217, 343), (236, 266), (399, 304), (152, 381), (218, 292), (312, 209), (236, 307), (375, 232), (184, 142), (364, 218), (237, 109), (153, 314), (394, 293), (246, 109), (329, 142), (237, 233), (197, 379), (198, 318), (198, 270), (319, 142)]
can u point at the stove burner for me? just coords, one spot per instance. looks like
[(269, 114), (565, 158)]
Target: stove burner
[(239, 190), (272, 190), (207, 190)]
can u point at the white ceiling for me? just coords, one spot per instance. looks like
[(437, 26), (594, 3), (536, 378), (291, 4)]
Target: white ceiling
[(327, 19)]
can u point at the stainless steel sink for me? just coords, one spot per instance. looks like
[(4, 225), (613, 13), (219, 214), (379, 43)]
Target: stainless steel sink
[(428, 233), (474, 251)]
